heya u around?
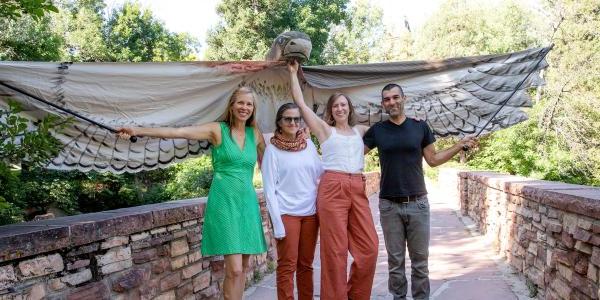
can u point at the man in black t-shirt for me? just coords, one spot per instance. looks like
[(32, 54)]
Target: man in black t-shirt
[(403, 205)]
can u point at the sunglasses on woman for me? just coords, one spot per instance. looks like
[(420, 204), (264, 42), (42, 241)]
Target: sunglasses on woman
[(289, 120)]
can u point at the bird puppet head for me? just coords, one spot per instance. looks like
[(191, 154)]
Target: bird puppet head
[(290, 45)]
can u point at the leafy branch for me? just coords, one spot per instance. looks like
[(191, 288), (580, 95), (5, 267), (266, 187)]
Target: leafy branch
[(23, 140), (14, 9)]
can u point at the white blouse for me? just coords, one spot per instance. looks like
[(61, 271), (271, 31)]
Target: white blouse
[(290, 181), (344, 153)]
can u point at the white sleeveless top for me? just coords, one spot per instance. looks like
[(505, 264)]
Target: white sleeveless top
[(343, 153)]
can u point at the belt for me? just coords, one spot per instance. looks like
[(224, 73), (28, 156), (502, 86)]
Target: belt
[(403, 199)]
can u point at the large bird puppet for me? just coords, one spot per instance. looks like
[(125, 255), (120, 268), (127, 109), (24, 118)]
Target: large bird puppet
[(456, 97)]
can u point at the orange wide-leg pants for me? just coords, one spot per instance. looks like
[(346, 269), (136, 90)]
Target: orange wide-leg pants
[(346, 224)]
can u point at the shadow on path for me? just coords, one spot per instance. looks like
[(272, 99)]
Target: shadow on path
[(462, 265)]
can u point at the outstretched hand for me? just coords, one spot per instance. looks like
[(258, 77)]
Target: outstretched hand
[(469, 142), (125, 133), (293, 66)]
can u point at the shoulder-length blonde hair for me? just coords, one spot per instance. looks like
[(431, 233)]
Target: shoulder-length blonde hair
[(228, 117), (328, 116)]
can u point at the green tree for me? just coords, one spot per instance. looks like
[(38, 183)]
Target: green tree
[(468, 27), (81, 23), (22, 141), (191, 178), (356, 40), (15, 9), (395, 45), (45, 190), (11, 200), (26, 35), (527, 150), (572, 97), (29, 39), (79, 32), (248, 28), (561, 140), (134, 34)]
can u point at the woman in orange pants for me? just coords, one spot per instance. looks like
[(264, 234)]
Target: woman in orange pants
[(342, 205), (291, 168)]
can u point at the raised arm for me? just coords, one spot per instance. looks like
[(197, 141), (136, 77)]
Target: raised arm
[(316, 124), (209, 131)]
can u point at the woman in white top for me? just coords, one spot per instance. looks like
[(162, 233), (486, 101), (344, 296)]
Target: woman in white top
[(343, 210), (291, 168)]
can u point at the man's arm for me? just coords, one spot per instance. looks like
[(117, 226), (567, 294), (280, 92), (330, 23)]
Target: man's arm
[(369, 138), (435, 158)]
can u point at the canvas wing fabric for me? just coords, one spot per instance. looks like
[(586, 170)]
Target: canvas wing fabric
[(456, 97), (125, 94)]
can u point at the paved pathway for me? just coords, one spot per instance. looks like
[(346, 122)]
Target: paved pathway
[(461, 264)]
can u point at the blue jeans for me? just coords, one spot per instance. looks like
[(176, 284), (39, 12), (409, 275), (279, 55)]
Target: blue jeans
[(406, 225)]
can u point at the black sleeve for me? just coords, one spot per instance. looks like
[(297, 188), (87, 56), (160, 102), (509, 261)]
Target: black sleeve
[(369, 138), (428, 137)]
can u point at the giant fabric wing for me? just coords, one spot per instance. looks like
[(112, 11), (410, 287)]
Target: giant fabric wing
[(456, 96)]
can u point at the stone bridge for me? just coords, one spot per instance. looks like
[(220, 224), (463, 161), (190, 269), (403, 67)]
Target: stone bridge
[(544, 235)]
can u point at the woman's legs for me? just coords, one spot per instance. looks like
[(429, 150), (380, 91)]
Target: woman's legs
[(333, 205), (287, 257), (306, 254), (363, 244), (295, 254), (346, 224), (236, 266)]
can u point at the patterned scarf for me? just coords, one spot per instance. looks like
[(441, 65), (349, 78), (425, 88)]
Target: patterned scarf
[(295, 145)]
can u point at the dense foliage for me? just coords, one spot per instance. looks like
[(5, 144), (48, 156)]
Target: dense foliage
[(78, 30), (14, 9), (248, 27), (561, 140), (22, 141)]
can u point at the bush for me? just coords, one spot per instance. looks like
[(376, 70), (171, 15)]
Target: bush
[(372, 161), (9, 213), (31, 145), (107, 191), (527, 150), (155, 194), (192, 178), (43, 189), (10, 192)]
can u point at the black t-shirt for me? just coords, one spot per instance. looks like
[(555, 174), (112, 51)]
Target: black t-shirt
[(400, 155)]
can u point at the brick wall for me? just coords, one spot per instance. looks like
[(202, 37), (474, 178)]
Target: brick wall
[(548, 231), (144, 252)]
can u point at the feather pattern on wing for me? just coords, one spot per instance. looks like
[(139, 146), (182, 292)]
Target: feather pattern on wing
[(456, 96)]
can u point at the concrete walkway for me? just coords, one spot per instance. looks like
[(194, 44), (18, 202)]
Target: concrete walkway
[(462, 264)]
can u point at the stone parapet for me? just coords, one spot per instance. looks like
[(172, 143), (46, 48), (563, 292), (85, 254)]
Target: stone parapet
[(143, 252), (548, 231)]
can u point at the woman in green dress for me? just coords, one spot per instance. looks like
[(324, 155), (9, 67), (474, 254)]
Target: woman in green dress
[(232, 222)]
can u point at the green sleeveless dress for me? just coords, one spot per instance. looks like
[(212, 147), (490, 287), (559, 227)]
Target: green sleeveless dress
[(232, 221)]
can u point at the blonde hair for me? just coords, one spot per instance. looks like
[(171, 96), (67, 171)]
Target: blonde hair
[(328, 117), (228, 117)]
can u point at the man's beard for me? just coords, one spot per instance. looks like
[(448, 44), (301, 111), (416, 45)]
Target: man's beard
[(397, 111)]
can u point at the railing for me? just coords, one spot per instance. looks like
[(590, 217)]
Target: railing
[(138, 252), (548, 231)]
